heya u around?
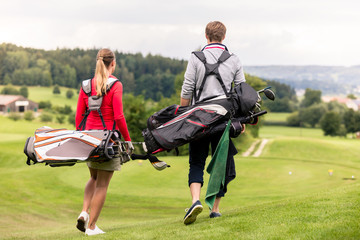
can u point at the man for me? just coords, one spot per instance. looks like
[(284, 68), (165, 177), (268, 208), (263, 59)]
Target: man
[(231, 71)]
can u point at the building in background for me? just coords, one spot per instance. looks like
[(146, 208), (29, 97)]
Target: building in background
[(350, 103), (16, 103)]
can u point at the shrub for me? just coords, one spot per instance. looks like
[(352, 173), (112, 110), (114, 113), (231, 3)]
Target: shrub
[(60, 118), (14, 116), (71, 118), (9, 90), (44, 104), (63, 110), (69, 94), (56, 90), (46, 117), (29, 116), (67, 109)]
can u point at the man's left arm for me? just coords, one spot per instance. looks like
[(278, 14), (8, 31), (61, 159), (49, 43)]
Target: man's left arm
[(239, 78), (239, 71)]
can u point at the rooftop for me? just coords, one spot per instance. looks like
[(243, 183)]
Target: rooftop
[(6, 99)]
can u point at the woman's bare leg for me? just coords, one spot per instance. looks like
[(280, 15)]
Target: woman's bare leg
[(89, 190), (98, 199)]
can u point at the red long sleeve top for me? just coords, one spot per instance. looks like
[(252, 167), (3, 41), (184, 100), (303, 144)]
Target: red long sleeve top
[(111, 109)]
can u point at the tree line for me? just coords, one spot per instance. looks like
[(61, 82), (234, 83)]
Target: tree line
[(154, 82), (151, 76)]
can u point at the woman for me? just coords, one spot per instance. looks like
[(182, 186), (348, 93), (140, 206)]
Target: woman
[(112, 110)]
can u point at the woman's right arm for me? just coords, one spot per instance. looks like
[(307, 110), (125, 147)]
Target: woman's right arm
[(118, 112), (80, 109)]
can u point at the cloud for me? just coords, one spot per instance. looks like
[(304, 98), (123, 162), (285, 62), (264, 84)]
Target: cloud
[(260, 32)]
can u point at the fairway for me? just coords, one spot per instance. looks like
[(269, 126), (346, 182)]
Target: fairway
[(265, 201), (38, 94)]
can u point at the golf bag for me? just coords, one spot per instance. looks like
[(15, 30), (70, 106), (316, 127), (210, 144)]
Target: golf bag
[(62, 147), (175, 126)]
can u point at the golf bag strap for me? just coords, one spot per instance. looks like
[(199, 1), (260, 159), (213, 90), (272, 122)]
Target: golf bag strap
[(201, 56), (102, 118), (83, 121), (211, 69), (86, 87)]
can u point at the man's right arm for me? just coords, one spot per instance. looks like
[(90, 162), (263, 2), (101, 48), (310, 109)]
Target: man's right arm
[(184, 102)]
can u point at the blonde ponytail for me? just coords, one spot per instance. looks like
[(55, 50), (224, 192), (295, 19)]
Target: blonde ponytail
[(103, 60)]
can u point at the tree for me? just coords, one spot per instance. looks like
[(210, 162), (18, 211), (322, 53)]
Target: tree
[(351, 96), (282, 90), (335, 106), (69, 75), (293, 120), (330, 123), (312, 115), (24, 91), (7, 79), (46, 79), (136, 115), (280, 105), (9, 90), (311, 97), (15, 60), (68, 67), (351, 121), (126, 77), (56, 90), (255, 82)]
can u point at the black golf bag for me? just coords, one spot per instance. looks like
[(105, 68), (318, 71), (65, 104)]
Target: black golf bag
[(174, 126)]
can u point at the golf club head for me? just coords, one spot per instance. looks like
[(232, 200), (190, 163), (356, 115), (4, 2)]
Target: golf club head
[(159, 165), (269, 94)]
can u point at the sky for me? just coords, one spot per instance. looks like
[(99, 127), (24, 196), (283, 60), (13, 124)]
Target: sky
[(260, 32)]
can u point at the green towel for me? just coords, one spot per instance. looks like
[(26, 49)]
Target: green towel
[(217, 168)]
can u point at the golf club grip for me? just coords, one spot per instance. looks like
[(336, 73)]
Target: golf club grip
[(138, 156), (259, 113)]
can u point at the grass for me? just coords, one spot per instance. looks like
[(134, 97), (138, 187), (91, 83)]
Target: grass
[(37, 94), (263, 202), (275, 118)]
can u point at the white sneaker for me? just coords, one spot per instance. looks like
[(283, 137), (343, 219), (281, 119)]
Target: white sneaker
[(96, 231), (82, 221)]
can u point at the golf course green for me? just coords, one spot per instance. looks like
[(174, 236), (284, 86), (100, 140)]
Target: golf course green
[(285, 193)]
